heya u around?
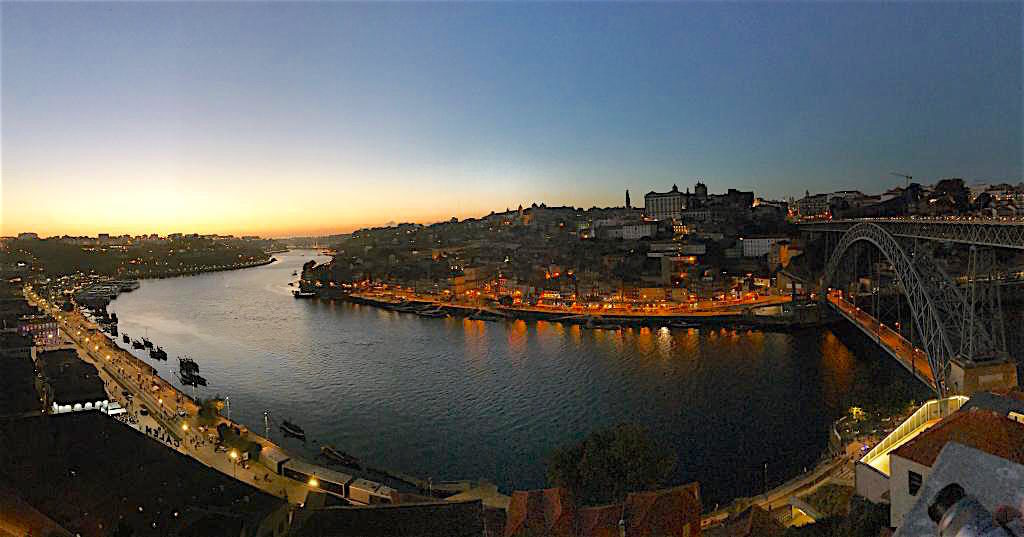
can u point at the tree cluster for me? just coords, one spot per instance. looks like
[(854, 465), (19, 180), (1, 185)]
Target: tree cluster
[(609, 464)]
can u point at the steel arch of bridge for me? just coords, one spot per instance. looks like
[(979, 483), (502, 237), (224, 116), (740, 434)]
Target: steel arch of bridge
[(935, 301)]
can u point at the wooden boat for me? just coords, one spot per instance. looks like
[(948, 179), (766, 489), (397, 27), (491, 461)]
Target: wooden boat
[(291, 429), (339, 457)]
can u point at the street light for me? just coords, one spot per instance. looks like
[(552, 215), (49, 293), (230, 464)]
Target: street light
[(234, 463), (313, 481)]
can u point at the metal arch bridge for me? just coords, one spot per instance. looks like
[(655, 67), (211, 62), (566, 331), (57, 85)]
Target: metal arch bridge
[(992, 232), (944, 316)]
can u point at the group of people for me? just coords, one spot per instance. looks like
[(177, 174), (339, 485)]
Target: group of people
[(197, 441)]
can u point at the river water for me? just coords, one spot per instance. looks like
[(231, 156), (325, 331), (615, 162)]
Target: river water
[(460, 399)]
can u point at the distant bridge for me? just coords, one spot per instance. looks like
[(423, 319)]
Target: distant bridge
[(991, 232), (951, 320)]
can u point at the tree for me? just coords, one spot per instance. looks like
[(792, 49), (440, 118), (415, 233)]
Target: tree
[(209, 410), (609, 464)]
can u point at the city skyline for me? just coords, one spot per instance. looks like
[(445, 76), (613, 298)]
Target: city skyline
[(284, 120)]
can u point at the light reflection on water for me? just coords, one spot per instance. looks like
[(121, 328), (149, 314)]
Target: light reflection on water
[(455, 398)]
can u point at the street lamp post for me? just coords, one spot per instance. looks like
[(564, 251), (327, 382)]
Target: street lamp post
[(234, 463)]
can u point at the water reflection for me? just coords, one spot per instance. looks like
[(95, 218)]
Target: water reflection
[(837, 368), (456, 399)]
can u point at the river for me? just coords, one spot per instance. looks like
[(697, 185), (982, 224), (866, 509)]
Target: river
[(460, 399)]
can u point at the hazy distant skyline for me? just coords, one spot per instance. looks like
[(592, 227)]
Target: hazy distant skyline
[(285, 119)]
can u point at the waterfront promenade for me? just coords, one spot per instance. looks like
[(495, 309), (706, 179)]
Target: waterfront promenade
[(731, 309), (121, 371)]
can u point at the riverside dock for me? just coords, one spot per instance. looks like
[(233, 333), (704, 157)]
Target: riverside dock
[(742, 314), (173, 417)]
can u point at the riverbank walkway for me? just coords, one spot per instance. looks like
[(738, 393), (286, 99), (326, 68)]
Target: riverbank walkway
[(702, 309), (122, 371), (837, 470)]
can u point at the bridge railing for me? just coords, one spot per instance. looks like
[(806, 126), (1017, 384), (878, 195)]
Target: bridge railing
[(995, 232)]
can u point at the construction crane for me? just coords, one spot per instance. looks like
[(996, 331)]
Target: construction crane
[(909, 178)]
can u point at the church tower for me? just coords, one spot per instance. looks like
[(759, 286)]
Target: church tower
[(627, 199)]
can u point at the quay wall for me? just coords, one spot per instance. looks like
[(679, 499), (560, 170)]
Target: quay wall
[(810, 317)]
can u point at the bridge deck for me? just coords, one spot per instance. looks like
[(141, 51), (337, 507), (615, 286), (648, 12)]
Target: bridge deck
[(913, 360), (995, 232)]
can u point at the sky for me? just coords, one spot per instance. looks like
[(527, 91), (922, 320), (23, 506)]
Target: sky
[(286, 119)]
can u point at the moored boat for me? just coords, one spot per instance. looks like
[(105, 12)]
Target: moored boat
[(292, 429), (432, 312), (405, 307), (340, 457), (187, 366), (136, 344), (303, 294), (147, 343), (158, 353), (126, 339), (191, 379)]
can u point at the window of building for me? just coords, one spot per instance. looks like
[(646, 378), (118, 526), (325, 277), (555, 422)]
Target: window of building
[(914, 480)]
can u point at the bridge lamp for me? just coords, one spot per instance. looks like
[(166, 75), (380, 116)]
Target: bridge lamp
[(313, 481)]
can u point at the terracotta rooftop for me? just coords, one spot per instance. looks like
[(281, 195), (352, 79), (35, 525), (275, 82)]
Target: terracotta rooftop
[(981, 429), (552, 512), (602, 521), (663, 512)]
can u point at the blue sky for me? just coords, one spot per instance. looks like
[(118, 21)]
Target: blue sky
[(286, 118)]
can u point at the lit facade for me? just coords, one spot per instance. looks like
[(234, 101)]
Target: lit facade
[(665, 205)]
